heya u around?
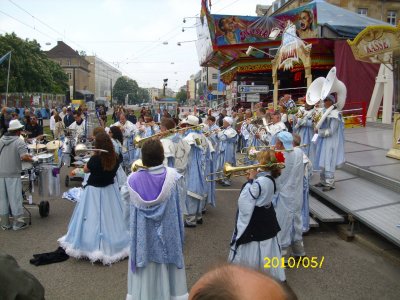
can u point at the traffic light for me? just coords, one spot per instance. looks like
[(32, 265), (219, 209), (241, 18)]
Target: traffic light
[(164, 85)]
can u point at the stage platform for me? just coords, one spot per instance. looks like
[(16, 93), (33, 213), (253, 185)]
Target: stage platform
[(368, 186)]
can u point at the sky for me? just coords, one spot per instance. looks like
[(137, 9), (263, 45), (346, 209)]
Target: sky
[(131, 35)]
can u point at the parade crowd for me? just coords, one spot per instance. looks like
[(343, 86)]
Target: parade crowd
[(153, 175)]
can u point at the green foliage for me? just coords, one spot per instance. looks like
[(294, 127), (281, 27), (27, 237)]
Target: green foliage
[(30, 70), (143, 95), (181, 96), (126, 86)]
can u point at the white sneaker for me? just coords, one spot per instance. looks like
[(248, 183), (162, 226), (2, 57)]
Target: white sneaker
[(20, 226)]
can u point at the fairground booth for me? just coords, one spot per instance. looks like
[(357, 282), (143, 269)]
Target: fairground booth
[(262, 58)]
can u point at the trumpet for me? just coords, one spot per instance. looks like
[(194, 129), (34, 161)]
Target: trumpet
[(138, 141), (216, 130), (230, 171)]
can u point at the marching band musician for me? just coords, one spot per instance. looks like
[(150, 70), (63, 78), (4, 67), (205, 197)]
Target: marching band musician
[(195, 178), (156, 268), (330, 146), (151, 128), (289, 199), (167, 141), (273, 128), (128, 130), (244, 130), (79, 125), (305, 129), (12, 151), (308, 169), (211, 159), (256, 228), (227, 147)]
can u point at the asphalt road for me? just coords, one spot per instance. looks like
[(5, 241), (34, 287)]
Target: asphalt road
[(349, 271)]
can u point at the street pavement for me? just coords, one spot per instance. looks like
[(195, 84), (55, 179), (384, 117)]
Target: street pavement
[(349, 271)]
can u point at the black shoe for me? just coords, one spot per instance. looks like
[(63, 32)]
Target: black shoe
[(203, 212), (199, 221), (319, 185)]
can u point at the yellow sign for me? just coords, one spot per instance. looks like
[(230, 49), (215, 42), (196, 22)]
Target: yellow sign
[(375, 44)]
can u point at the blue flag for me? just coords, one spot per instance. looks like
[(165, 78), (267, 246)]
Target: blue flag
[(4, 57)]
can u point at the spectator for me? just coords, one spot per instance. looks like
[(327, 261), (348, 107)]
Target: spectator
[(69, 118), (235, 282), (58, 127), (39, 116)]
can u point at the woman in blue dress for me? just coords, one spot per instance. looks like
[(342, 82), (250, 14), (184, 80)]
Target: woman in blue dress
[(255, 240), (97, 230)]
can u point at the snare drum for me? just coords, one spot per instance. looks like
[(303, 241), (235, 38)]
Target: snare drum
[(45, 158)]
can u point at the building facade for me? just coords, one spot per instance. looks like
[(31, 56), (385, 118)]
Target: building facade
[(384, 10), (154, 93), (74, 65), (102, 77)]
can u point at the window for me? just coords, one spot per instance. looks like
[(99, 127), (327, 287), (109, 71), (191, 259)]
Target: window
[(214, 76), (215, 86), (391, 17), (60, 62), (68, 62), (363, 11), (69, 75)]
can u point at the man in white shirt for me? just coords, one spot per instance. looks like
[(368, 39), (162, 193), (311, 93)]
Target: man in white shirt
[(274, 128)]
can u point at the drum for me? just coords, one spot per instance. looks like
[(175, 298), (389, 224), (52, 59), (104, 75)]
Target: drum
[(54, 145), (49, 181), (45, 158)]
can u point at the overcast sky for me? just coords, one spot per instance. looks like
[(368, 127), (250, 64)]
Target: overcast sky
[(126, 33)]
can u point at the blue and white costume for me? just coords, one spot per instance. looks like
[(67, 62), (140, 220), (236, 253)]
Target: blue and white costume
[(156, 268), (330, 147), (196, 192), (227, 147), (128, 131), (305, 129), (251, 248), (289, 199), (305, 211)]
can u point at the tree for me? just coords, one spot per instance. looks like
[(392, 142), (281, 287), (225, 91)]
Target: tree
[(30, 69), (143, 95), (126, 86), (181, 96)]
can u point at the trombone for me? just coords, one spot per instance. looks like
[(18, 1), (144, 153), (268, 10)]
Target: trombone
[(138, 141), (230, 171)]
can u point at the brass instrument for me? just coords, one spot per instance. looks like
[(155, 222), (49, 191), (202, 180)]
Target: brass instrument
[(251, 119), (137, 165), (316, 116), (300, 113), (246, 150), (230, 171), (216, 130), (138, 141)]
